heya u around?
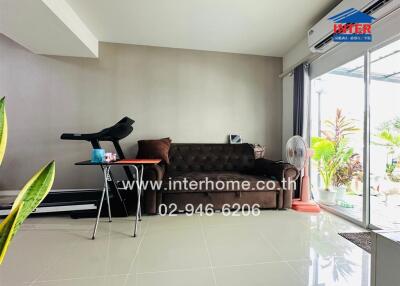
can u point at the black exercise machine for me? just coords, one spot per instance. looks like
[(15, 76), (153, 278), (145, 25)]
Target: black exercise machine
[(113, 134), (84, 203)]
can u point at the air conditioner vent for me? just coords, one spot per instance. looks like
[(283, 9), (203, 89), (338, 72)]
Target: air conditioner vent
[(376, 6), (324, 42), (320, 36)]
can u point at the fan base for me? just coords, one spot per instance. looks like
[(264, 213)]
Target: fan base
[(302, 206)]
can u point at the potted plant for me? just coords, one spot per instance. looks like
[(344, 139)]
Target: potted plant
[(333, 154), (330, 158), (345, 174), (341, 182)]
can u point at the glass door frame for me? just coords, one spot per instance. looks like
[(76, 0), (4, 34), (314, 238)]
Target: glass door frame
[(366, 212), (366, 215)]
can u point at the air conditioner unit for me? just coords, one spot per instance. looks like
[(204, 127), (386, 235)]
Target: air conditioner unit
[(320, 35)]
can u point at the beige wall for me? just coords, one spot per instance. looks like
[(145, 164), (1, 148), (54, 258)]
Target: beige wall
[(191, 96)]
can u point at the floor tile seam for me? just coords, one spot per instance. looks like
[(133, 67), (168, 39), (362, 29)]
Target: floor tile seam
[(79, 278), (269, 243), (203, 233), (136, 254), (51, 264)]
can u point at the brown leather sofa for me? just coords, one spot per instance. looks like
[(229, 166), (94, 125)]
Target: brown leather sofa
[(218, 162)]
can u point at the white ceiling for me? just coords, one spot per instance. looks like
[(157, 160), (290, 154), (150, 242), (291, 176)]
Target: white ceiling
[(48, 27), (259, 27)]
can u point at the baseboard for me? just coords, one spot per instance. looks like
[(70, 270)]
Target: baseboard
[(58, 209), (58, 200), (6, 193), (66, 200)]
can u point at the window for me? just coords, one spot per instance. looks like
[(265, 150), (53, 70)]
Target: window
[(337, 122), (385, 136), (339, 140)]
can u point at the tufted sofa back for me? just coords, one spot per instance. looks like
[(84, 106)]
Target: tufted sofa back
[(190, 157)]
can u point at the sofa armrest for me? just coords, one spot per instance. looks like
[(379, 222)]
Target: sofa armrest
[(153, 173), (280, 172), (276, 170)]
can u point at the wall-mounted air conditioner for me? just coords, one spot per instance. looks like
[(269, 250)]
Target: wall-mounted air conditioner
[(320, 35)]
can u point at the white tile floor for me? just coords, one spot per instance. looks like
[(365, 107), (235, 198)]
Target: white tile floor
[(276, 248)]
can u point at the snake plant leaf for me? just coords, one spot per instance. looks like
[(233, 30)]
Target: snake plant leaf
[(36, 189), (6, 230), (3, 129), (26, 202)]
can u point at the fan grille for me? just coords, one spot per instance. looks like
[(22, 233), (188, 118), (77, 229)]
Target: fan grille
[(296, 151)]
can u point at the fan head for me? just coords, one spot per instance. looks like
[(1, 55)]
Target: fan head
[(296, 151)]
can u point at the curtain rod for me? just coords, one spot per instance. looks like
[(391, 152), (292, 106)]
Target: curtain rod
[(307, 59)]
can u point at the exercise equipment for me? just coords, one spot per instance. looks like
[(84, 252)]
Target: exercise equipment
[(112, 134)]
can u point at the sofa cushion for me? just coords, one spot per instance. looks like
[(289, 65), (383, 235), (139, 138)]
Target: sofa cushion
[(186, 158), (154, 149), (227, 181)]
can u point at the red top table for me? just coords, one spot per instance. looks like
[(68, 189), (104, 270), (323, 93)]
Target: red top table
[(138, 165)]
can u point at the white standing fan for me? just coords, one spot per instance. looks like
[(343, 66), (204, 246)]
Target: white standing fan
[(298, 154)]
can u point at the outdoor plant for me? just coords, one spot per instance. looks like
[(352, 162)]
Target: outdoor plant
[(34, 191), (345, 173), (340, 128), (330, 157), (332, 152), (343, 176), (389, 136)]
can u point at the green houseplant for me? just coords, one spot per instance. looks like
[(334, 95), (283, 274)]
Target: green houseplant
[(330, 158), (332, 154), (34, 191), (324, 152)]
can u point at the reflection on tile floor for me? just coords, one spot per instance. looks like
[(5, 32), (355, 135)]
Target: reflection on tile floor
[(385, 215), (276, 248)]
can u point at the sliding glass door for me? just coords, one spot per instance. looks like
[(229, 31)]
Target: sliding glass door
[(337, 120), (355, 135), (385, 136)]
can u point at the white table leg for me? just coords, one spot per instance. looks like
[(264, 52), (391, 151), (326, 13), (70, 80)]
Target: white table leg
[(139, 180), (105, 189), (106, 174)]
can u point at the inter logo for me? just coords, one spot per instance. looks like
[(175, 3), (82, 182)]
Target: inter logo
[(352, 26)]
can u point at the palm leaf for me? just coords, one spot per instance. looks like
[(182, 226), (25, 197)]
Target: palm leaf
[(323, 148), (389, 138), (3, 129), (27, 201), (328, 134)]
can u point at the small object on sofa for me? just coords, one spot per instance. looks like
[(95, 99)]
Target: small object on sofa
[(259, 151), (154, 149), (235, 139), (98, 156)]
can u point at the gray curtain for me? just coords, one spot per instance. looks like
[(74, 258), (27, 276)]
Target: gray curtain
[(298, 100), (298, 110)]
